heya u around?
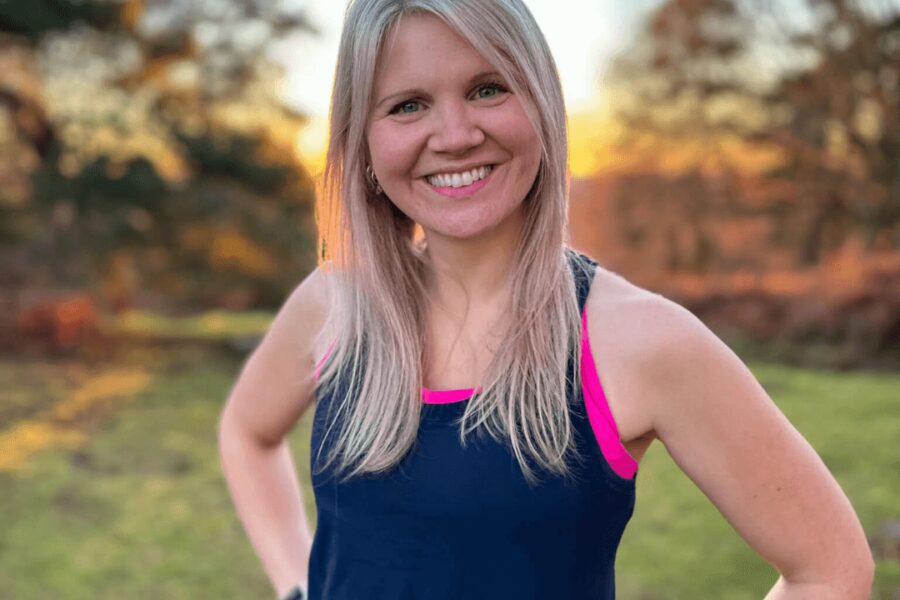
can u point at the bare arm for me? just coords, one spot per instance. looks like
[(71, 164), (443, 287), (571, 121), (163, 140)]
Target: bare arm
[(728, 436), (273, 391)]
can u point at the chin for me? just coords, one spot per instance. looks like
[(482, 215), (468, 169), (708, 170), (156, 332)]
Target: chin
[(462, 231), (472, 223)]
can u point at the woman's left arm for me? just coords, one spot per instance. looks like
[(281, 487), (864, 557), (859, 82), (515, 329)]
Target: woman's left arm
[(729, 437)]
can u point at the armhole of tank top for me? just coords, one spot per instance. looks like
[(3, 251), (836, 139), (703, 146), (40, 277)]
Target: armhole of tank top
[(323, 359), (623, 465)]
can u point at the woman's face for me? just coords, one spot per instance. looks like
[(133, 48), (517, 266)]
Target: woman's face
[(440, 109)]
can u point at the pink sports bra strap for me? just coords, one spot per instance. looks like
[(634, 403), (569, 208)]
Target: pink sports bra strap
[(598, 411), (599, 414)]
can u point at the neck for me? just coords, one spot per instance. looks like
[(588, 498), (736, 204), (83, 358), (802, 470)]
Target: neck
[(472, 272)]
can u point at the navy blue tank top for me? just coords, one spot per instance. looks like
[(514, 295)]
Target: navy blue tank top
[(450, 522)]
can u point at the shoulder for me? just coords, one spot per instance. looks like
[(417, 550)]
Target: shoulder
[(657, 316), (313, 293), (275, 385), (642, 322), (638, 338), (298, 326), (309, 306)]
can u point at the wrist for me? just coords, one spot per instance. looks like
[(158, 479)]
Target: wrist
[(298, 592)]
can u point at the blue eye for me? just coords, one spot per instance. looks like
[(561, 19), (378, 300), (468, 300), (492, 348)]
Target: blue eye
[(499, 89), (402, 105)]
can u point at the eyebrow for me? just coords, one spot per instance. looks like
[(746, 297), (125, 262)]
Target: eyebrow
[(420, 92)]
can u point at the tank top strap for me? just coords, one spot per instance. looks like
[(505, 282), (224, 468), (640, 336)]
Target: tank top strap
[(583, 270)]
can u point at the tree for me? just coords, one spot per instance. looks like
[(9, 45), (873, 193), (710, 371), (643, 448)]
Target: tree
[(162, 155), (812, 83)]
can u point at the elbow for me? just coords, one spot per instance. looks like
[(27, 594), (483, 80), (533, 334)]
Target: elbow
[(228, 431), (845, 574), (860, 571), (232, 431), (223, 427), (865, 578), (854, 580), (859, 585)]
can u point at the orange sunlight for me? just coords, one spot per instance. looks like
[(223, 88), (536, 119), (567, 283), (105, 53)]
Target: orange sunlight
[(593, 132), (590, 134)]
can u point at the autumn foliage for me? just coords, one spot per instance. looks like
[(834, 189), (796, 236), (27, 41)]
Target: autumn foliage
[(59, 324)]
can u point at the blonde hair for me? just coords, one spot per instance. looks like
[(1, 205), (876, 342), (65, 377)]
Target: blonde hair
[(376, 266)]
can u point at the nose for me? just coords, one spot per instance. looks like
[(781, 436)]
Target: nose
[(455, 130)]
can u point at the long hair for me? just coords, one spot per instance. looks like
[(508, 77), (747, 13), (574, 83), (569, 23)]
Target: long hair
[(374, 260)]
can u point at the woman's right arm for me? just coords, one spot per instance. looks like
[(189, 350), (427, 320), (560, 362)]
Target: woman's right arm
[(274, 389)]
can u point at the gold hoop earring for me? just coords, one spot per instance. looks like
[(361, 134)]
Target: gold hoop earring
[(373, 180)]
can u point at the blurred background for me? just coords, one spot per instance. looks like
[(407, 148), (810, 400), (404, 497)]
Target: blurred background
[(158, 168)]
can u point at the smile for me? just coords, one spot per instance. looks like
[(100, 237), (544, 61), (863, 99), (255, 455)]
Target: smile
[(466, 184)]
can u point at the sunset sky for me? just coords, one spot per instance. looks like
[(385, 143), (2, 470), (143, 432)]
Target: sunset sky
[(583, 36)]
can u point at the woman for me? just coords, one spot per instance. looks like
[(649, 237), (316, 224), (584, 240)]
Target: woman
[(463, 445)]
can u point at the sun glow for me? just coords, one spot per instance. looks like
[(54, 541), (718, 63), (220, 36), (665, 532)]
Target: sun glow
[(591, 132), (312, 144)]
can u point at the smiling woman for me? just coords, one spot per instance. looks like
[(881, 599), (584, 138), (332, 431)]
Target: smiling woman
[(483, 393), (458, 121)]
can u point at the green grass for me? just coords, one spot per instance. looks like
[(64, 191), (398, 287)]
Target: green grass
[(210, 325), (141, 510)]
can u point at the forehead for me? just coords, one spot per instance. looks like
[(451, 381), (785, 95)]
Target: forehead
[(422, 47)]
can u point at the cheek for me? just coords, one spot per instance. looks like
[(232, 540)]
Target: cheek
[(514, 122), (392, 150)]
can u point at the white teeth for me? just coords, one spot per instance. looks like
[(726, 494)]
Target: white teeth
[(459, 179)]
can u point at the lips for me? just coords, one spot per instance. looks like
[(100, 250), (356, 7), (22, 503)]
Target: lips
[(447, 179), (464, 191), (460, 170), (491, 167)]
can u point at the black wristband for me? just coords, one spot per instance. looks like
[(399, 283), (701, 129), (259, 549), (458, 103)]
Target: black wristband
[(298, 593)]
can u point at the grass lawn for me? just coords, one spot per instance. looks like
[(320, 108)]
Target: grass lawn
[(112, 486)]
